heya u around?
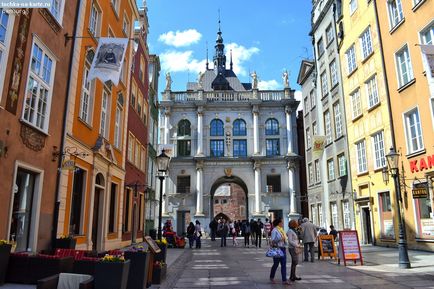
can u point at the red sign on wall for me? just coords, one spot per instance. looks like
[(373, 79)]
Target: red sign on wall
[(422, 164)]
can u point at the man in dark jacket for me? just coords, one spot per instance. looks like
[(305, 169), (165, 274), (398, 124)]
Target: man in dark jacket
[(213, 227), (223, 230), (258, 228)]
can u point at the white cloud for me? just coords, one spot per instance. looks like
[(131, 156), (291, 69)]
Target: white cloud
[(180, 38), (268, 84), (299, 96), (240, 55), (177, 61)]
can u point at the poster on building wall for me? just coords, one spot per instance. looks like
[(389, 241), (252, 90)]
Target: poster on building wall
[(107, 64), (388, 229), (427, 226), (349, 247), (318, 145)]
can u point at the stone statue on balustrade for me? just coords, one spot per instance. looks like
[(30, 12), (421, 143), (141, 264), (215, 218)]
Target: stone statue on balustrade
[(285, 76), (200, 79), (168, 81), (254, 80)]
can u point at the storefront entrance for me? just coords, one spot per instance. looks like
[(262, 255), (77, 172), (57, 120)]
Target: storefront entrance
[(97, 212), (366, 223)]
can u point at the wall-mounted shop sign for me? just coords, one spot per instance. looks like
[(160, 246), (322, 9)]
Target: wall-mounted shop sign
[(424, 163), (420, 193), (68, 165)]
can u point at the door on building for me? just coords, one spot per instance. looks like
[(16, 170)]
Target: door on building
[(182, 221), (97, 212), (367, 232), (274, 214), (21, 221)]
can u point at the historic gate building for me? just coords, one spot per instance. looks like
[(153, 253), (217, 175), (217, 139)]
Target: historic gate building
[(229, 137)]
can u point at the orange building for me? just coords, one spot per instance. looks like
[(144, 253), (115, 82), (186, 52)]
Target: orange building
[(404, 25), (91, 195)]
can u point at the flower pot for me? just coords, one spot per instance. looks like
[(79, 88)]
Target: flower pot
[(159, 274), (65, 243), (138, 276), (162, 255), (5, 251), (111, 275)]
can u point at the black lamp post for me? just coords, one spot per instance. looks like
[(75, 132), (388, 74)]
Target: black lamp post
[(163, 166), (393, 164)]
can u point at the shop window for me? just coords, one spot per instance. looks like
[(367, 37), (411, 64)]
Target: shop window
[(387, 226)]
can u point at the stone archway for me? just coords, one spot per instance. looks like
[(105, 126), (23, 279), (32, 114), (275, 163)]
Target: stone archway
[(229, 194)]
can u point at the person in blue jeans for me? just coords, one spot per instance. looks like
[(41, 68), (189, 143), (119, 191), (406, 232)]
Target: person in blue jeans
[(279, 240)]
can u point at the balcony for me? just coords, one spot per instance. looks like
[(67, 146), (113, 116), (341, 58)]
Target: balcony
[(228, 96)]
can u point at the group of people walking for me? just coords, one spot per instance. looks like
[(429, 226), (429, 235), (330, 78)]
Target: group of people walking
[(194, 234)]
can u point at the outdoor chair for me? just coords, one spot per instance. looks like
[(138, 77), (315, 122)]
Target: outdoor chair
[(66, 281)]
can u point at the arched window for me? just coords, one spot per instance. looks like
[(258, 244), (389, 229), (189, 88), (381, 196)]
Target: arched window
[(271, 127), (184, 128), (239, 128), (217, 128)]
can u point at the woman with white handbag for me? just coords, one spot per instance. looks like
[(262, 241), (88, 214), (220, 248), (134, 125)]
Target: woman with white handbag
[(294, 248), (278, 243)]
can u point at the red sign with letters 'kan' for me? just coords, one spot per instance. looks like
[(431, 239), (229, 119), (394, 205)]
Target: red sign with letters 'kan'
[(422, 164)]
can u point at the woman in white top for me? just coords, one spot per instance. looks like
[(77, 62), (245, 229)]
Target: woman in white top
[(279, 239), (293, 248)]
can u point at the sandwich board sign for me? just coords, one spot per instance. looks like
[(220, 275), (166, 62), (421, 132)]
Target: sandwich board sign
[(349, 247), (327, 246)]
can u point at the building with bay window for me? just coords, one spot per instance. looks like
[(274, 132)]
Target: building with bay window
[(229, 137)]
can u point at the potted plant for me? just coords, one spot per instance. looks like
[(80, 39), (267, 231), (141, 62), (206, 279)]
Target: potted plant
[(139, 258), (65, 242), (5, 250), (163, 246), (112, 272), (158, 272)]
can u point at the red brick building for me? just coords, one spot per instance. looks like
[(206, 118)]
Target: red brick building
[(35, 63)]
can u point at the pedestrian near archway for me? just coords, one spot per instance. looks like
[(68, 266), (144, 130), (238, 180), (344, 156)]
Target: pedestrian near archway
[(294, 248), (279, 240)]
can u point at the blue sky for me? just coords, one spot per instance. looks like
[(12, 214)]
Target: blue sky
[(265, 36)]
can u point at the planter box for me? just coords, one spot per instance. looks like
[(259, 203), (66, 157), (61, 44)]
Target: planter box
[(138, 276), (162, 255), (65, 243), (112, 275), (159, 274), (5, 251)]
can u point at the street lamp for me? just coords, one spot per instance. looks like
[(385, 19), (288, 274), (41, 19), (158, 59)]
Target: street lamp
[(162, 166), (393, 164)]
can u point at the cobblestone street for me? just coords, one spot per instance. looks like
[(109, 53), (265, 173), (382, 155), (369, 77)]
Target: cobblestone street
[(216, 267)]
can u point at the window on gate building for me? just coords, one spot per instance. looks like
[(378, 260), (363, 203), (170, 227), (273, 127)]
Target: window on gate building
[(217, 145), (273, 184), (183, 184), (184, 138)]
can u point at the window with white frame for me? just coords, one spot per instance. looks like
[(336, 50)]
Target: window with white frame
[(342, 162), (396, 15), (328, 127), (413, 131), (6, 21), (333, 73), (330, 169), (404, 68), (366, 43), (87, 92), (329, 34), (324, 84), (427, 35), (312, 99), (115, 5), (131, 142), (310, 170), (314, 128), (313, 211), (143, 160), (320, 218), (320, 46), (356, 104), (56, 9), (37, 101), (378, 148), (126, 25), (317, 172), (353, 6), (334, 211), (105, 112), (95, 19), (372, 91), (137, 153), (346, 214), (308, 138), (306, 105), (338, 120), (351, 59), (118, 126), (361, 157)]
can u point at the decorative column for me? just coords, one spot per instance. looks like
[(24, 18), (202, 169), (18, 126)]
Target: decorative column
[(292, 194), (257, 168), (288, 113), (166, 125), (199, 131), (199, 189), (255, 130)]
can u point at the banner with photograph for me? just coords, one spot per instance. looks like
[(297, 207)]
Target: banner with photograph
[(428, 62), (108, 60), (318, 145)]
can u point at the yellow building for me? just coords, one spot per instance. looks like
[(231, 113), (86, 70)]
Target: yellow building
[(403, 25), (368, 122)]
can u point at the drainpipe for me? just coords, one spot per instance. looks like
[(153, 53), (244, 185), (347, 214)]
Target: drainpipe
[(62, 142)]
